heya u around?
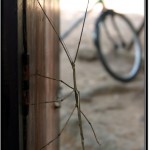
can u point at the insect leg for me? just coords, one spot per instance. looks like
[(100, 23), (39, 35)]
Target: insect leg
[(60, 131), (61, 100), (91, 127)]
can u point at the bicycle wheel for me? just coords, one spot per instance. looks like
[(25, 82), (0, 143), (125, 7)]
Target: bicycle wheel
[(118, 46)]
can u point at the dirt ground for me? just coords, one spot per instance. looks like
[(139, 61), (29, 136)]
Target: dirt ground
[(116, 110)]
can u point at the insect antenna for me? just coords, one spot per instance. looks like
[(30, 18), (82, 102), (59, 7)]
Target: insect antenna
[(81, 32), (60, 39)]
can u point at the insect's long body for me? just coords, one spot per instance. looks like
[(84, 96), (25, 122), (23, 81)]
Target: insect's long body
[(74, 88), (77, 98)]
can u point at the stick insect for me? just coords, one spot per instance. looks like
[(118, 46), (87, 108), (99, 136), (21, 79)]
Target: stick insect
[(74, 88)]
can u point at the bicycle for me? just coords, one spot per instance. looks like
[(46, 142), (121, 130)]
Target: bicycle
[(120, 56)]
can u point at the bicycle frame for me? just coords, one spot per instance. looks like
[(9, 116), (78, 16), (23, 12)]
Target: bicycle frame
[(80, 19)]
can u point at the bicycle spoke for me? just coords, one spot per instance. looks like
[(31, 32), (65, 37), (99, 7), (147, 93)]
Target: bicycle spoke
[(117, 29), (108, 34)]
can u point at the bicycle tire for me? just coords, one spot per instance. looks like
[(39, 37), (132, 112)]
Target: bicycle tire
[(131, 73)]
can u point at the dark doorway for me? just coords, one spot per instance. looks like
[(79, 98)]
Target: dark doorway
[(10, 117)]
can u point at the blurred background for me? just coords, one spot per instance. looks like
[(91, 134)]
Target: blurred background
[(115, 109)]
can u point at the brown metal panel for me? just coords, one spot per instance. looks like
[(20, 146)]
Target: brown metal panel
[(43, 46)]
